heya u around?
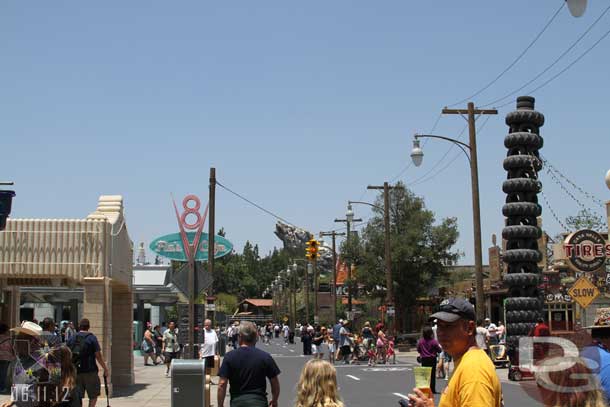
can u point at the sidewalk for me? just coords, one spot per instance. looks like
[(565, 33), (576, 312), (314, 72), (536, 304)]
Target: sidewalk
[(151, 389)]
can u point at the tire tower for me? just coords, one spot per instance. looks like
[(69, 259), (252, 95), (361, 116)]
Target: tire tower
[(523, 304)]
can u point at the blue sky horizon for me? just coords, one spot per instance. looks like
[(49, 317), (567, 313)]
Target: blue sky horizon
[(298, 106)]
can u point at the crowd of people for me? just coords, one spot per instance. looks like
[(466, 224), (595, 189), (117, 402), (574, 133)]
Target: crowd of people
[(43, 365)]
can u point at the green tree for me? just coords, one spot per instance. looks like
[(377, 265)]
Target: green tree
[(420, 250), (585, 219)]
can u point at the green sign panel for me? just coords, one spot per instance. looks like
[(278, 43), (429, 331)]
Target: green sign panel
[(171, 247)]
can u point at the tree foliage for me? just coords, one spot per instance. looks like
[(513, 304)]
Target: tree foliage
[(585, 219), (420, 248)]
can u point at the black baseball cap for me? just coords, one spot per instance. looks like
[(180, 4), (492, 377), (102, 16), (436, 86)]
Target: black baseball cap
[(453, 309)]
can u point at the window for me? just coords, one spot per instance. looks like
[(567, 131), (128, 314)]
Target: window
[(560, 317)]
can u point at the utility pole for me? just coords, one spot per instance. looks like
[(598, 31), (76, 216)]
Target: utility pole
[(389, 299), (349, 218), (211, 226), (307, 292), (389, 281), (476, 208), (333, 288)]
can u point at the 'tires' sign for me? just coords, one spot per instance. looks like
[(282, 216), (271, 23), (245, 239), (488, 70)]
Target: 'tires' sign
[(586, 250)]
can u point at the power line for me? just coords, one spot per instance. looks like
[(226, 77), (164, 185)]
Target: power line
[(268, 212), (514, 62), (550, 167), (545, 70), (553, 211)]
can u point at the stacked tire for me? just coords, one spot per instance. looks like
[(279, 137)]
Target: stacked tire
[(524, 302)]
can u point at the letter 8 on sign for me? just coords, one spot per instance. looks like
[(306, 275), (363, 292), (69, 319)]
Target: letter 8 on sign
[(191, 211)]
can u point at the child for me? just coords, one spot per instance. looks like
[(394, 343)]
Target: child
[(391, 353), (331, 350), (372, 355), (317, 386)]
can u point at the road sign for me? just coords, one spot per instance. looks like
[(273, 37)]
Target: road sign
[(172, 247), (180, 279), (583, 292)]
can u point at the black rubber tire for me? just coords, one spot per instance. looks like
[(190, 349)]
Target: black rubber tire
[(526, 102), (521, 232), (516, 268), (522, 279), (521, 209), (525, 116), (521, 316), (521, 303), (521, 256), (521, 185), (531, 140), (519, 328), (516, 162)]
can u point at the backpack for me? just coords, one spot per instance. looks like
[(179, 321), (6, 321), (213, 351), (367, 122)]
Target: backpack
[(78, 349)]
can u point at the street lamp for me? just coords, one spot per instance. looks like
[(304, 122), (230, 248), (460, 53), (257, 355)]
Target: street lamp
[(417, 156), (608, 179), (349, 219)]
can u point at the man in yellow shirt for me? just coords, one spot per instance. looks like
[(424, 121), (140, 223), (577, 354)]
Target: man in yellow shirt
[(474, 382)]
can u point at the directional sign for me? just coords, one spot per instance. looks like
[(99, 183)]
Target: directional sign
[(180, 279), (583, 292), (171, 246)]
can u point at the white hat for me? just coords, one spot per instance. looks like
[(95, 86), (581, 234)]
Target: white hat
[(29, 328), (341, 320)]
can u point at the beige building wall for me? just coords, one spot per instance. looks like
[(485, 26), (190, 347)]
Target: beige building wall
[(95, 253)]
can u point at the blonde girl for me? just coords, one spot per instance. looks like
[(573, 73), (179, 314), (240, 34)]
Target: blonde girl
[(317, 386)]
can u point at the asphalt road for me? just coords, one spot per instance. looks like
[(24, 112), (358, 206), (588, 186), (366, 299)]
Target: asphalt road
[(381, 385)]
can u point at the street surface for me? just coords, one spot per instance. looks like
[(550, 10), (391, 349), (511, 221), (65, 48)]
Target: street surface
[(381, 385)]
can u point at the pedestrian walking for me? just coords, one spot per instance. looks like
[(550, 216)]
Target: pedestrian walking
[(346, 342), (66, 390), (158, 339), (235, 334), (171, 346), (501, 332), (247, 369), (86, 355), (381, 346), (209, 348), (7, 355), (49, 337), (317, 385), (474, 381), (286, 332), (148, 346), (316, 341), (70, 331), (336, 335), (306, 339), (492, 332), (28, 370), (323, 346), (276, 329), (481, 336), (367, 335), (428, 349)]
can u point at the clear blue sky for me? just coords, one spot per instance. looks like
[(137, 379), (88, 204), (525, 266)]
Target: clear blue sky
[(299, 105)]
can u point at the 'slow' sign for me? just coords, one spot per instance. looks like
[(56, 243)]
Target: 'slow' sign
[(583, 292)]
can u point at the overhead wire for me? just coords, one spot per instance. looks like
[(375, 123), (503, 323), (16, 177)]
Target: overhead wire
[(514, 62), (268, 212), (545, 70)]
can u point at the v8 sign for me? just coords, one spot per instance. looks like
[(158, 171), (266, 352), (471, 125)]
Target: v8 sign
[(583, 292)]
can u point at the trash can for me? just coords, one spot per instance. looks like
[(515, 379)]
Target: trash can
[(222, 344), (190, 384)]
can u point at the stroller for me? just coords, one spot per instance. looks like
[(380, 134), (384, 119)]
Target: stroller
[(499, 355), (360, 352)]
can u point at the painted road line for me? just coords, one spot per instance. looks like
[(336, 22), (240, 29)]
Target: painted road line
[(292, 350), (402, 396), (370, 367), (353, 377)]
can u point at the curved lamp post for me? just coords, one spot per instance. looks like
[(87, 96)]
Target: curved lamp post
[(470, 150)]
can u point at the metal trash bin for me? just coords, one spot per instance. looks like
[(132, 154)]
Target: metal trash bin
[(190, 385)]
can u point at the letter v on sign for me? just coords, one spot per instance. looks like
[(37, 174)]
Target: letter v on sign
[(583, 292)]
